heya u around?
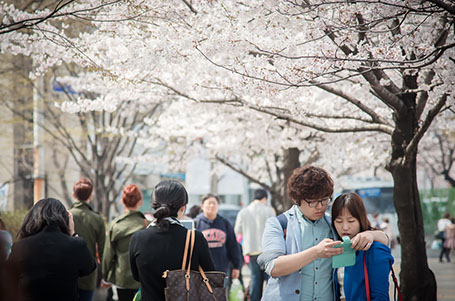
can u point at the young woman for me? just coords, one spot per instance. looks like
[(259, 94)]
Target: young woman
[(349, 218), (160, 247), (46, 261), (116, 261)]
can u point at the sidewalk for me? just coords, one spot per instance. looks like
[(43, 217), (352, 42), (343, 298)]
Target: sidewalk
[(445, 278)]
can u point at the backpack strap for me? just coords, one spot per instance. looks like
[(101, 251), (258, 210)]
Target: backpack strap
[(283, 222)]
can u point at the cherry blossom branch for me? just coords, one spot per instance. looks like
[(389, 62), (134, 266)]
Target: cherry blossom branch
[(31, 22), (412, 146), (365, 128), (375, 117), (242, 172), (446, 6)]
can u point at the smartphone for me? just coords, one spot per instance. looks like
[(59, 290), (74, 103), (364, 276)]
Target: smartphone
[(188, 223), (345, 259)]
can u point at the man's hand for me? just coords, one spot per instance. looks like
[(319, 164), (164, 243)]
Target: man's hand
[(362, 241), (235, 273), (325, 249)]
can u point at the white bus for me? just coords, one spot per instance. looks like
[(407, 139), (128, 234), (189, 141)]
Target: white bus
[(377, 195)]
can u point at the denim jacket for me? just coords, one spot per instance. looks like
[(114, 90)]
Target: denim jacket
[(274, 245)]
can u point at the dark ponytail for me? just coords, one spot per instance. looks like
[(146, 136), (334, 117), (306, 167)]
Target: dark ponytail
[(168, 197)]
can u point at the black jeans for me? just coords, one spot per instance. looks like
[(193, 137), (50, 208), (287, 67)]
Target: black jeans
[(445, 251)]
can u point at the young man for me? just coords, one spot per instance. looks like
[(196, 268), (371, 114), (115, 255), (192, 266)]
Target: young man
[(250, 224), (89, 225), (220, 236), (299, 261)]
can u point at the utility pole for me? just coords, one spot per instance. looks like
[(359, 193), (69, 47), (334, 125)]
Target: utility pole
[(38, 151)]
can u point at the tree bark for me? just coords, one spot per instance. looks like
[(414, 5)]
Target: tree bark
[(417, 281), (291, 162)]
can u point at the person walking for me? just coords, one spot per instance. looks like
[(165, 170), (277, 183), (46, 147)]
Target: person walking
[(388, 229), (443, 223), (250, 223), (297, 250), (160, 247), (46, 261), (90, 226), (449, 242), (220, 236), (115, 266), (349, 218)]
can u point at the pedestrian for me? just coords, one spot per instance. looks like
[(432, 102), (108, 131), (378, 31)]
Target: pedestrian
[(160, 247), (376, 222), (220, 236), (46, 261), (250, 223), (449, 242), (6, 241), (388, 229), (442, 225), (90, 226), (194, 211), (297, 250), (349, 218), (116, 267)]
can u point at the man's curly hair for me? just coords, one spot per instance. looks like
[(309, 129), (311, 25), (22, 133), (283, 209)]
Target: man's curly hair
[(309, 182)]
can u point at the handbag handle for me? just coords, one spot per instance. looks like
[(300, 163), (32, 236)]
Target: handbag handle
[(185, 252), (189, 241)]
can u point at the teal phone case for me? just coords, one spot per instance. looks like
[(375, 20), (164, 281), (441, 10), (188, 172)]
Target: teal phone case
[(345, 259)]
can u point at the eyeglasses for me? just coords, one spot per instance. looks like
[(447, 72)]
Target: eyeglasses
[(323, 202)]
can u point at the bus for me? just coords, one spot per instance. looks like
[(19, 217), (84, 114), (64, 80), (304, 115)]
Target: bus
[(377, 196)]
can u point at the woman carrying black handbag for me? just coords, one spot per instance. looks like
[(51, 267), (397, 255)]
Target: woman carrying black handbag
[(161, 246)]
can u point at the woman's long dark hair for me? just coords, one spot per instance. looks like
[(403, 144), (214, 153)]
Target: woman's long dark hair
[(168, 197), (44, 213)]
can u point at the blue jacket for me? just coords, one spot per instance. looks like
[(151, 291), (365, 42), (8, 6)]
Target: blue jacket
[(378, 261), (274, 245), (222, 243)]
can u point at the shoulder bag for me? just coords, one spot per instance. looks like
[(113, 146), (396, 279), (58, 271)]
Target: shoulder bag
[(188, 285)]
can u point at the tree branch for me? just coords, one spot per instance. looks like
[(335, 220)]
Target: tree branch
[(412, 146), (242, 172)]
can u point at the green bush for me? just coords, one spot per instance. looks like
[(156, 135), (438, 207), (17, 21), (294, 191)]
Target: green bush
[(13, 221)]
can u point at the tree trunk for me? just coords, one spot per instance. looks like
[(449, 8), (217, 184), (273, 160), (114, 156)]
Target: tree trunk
[(417, 281), (291, 162)]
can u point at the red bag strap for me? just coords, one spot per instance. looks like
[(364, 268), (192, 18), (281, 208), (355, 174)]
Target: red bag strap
[(367, 283), (397, 287)]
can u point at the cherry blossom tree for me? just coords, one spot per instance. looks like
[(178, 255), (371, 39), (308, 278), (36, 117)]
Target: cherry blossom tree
[(438, 148), (374, 70), (389, 65)]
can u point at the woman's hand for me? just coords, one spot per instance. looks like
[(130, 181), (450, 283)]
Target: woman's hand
[(325, 249), (71, 223), (362, 241)]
